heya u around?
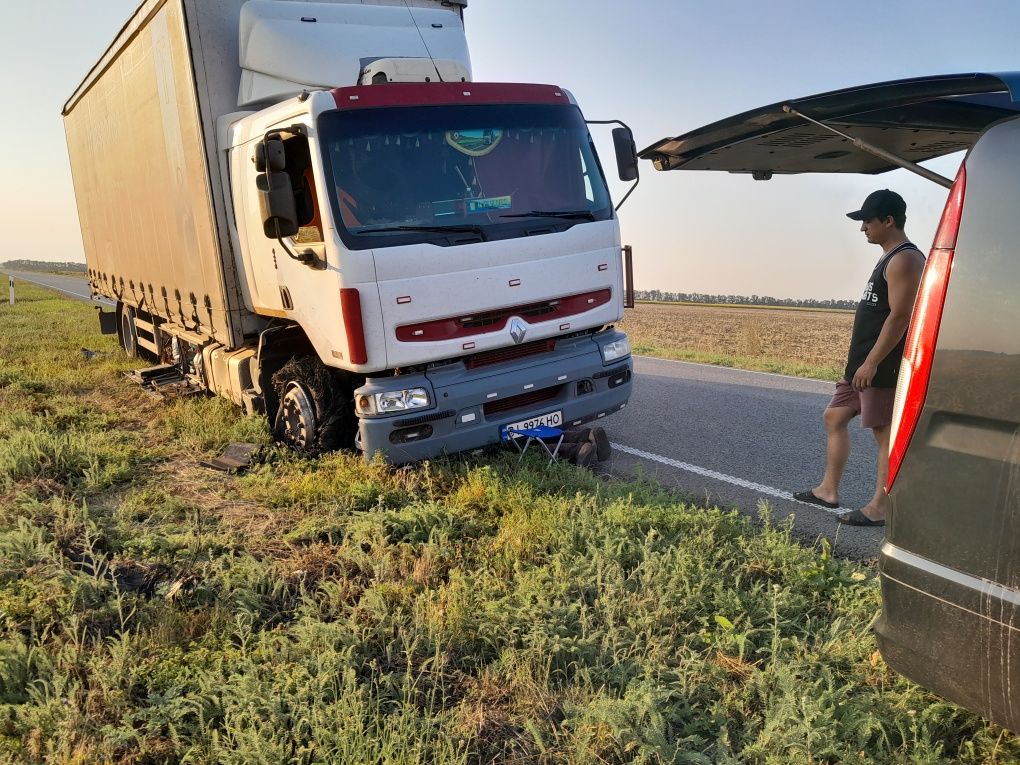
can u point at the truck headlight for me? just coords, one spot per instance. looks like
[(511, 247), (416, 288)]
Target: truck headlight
[(401, 400), (616, 350)]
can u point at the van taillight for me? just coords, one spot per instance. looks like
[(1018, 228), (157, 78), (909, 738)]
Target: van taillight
[(350, 308), (919, 351)]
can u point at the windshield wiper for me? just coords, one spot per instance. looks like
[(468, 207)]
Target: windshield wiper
[(439, 229), (567, 214)]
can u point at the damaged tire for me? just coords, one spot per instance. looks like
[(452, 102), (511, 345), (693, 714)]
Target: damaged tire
[(313, 414)]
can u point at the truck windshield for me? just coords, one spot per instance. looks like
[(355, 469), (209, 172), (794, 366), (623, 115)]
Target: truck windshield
[(450, 174)]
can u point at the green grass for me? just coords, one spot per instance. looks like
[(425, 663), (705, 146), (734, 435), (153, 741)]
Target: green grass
[(464, 611)]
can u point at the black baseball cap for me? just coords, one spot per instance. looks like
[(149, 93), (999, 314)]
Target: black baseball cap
[(880, 204)]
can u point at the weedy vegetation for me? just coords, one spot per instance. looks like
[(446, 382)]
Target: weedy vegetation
[(799, 342), (463, 611)]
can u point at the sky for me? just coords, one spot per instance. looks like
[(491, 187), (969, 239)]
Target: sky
[(664, 67)]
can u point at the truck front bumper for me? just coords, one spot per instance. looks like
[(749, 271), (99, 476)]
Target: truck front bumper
[(471, 406)]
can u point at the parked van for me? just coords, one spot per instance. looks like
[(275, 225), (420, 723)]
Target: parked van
[(950, 564)]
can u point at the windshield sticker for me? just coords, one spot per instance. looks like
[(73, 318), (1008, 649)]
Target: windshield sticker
[(474, 143), (488, 203)]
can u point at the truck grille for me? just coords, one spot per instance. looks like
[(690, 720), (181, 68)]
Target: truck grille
[(499, 317), (490, 321), (524, 400), (500, 355)]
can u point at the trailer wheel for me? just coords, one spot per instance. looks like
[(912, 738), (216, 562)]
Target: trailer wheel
[(313, 415), (126, 331)]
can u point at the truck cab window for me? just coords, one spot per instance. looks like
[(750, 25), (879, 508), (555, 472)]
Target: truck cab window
[(299, 169), (404, 175)]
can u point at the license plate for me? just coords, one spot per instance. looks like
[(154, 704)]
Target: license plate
[(550, 419)]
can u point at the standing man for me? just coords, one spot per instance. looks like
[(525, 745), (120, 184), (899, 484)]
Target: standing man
[(873, 362)]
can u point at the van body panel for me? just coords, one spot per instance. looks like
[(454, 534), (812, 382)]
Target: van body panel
[(956, 634), (950, 568)]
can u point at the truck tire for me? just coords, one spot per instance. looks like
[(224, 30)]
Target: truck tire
[(126, 332), (313, 414)]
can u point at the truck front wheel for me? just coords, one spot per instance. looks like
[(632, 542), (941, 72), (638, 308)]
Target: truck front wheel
[(313, 414)]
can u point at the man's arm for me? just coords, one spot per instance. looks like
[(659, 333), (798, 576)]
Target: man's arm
[(903, 274)]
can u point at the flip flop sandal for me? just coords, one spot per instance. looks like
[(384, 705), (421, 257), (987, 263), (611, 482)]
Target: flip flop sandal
[(857, 518), (809, 497)]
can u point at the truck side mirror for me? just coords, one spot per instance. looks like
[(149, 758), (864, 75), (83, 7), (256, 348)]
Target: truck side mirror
[(269, 154), (626, 153), (276, 195), (276, 201)]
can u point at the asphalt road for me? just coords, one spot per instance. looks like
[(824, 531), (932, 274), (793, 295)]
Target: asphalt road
[(719, 436), (734, 438), (72, 286)]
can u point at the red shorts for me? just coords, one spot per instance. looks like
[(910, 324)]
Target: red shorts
[(874, 405)]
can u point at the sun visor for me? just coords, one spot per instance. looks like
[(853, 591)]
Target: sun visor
[(288, 47), (916, 120)]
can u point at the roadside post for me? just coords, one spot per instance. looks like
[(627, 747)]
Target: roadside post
[(11, 280)]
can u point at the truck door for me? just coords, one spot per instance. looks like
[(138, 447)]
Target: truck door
[(258, 257), (267, 261)]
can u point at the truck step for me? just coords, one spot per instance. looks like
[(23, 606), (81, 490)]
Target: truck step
[(164, 381)]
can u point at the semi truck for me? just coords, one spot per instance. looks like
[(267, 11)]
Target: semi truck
[(312, 210)]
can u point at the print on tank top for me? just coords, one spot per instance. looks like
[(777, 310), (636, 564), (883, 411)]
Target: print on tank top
[(871, 314)]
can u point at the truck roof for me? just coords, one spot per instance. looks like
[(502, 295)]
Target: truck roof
[(219, 23)]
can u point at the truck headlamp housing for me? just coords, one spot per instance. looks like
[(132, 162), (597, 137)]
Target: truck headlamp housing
[(617, 349), (401, 400), (369, 404)]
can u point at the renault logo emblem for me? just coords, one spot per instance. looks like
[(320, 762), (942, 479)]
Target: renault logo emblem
[(518, 330)]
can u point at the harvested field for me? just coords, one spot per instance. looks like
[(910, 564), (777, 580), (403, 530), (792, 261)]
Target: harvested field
[(797, 342)]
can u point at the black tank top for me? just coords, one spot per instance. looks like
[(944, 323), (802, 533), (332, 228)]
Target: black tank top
[(871, 314)]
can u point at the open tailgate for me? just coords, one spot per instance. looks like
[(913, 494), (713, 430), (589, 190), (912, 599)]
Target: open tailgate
[(868, 129)]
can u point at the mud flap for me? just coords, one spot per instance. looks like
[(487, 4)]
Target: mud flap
[(107, 322)]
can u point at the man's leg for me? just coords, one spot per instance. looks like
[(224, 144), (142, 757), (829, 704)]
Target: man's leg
[(837, 451), (875, 510)]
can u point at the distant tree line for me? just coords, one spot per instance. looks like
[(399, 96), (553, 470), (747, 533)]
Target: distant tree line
[(43, 265), (702, 297)]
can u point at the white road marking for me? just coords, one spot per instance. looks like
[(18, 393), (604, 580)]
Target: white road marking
[(66, 292), (715, 475)]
